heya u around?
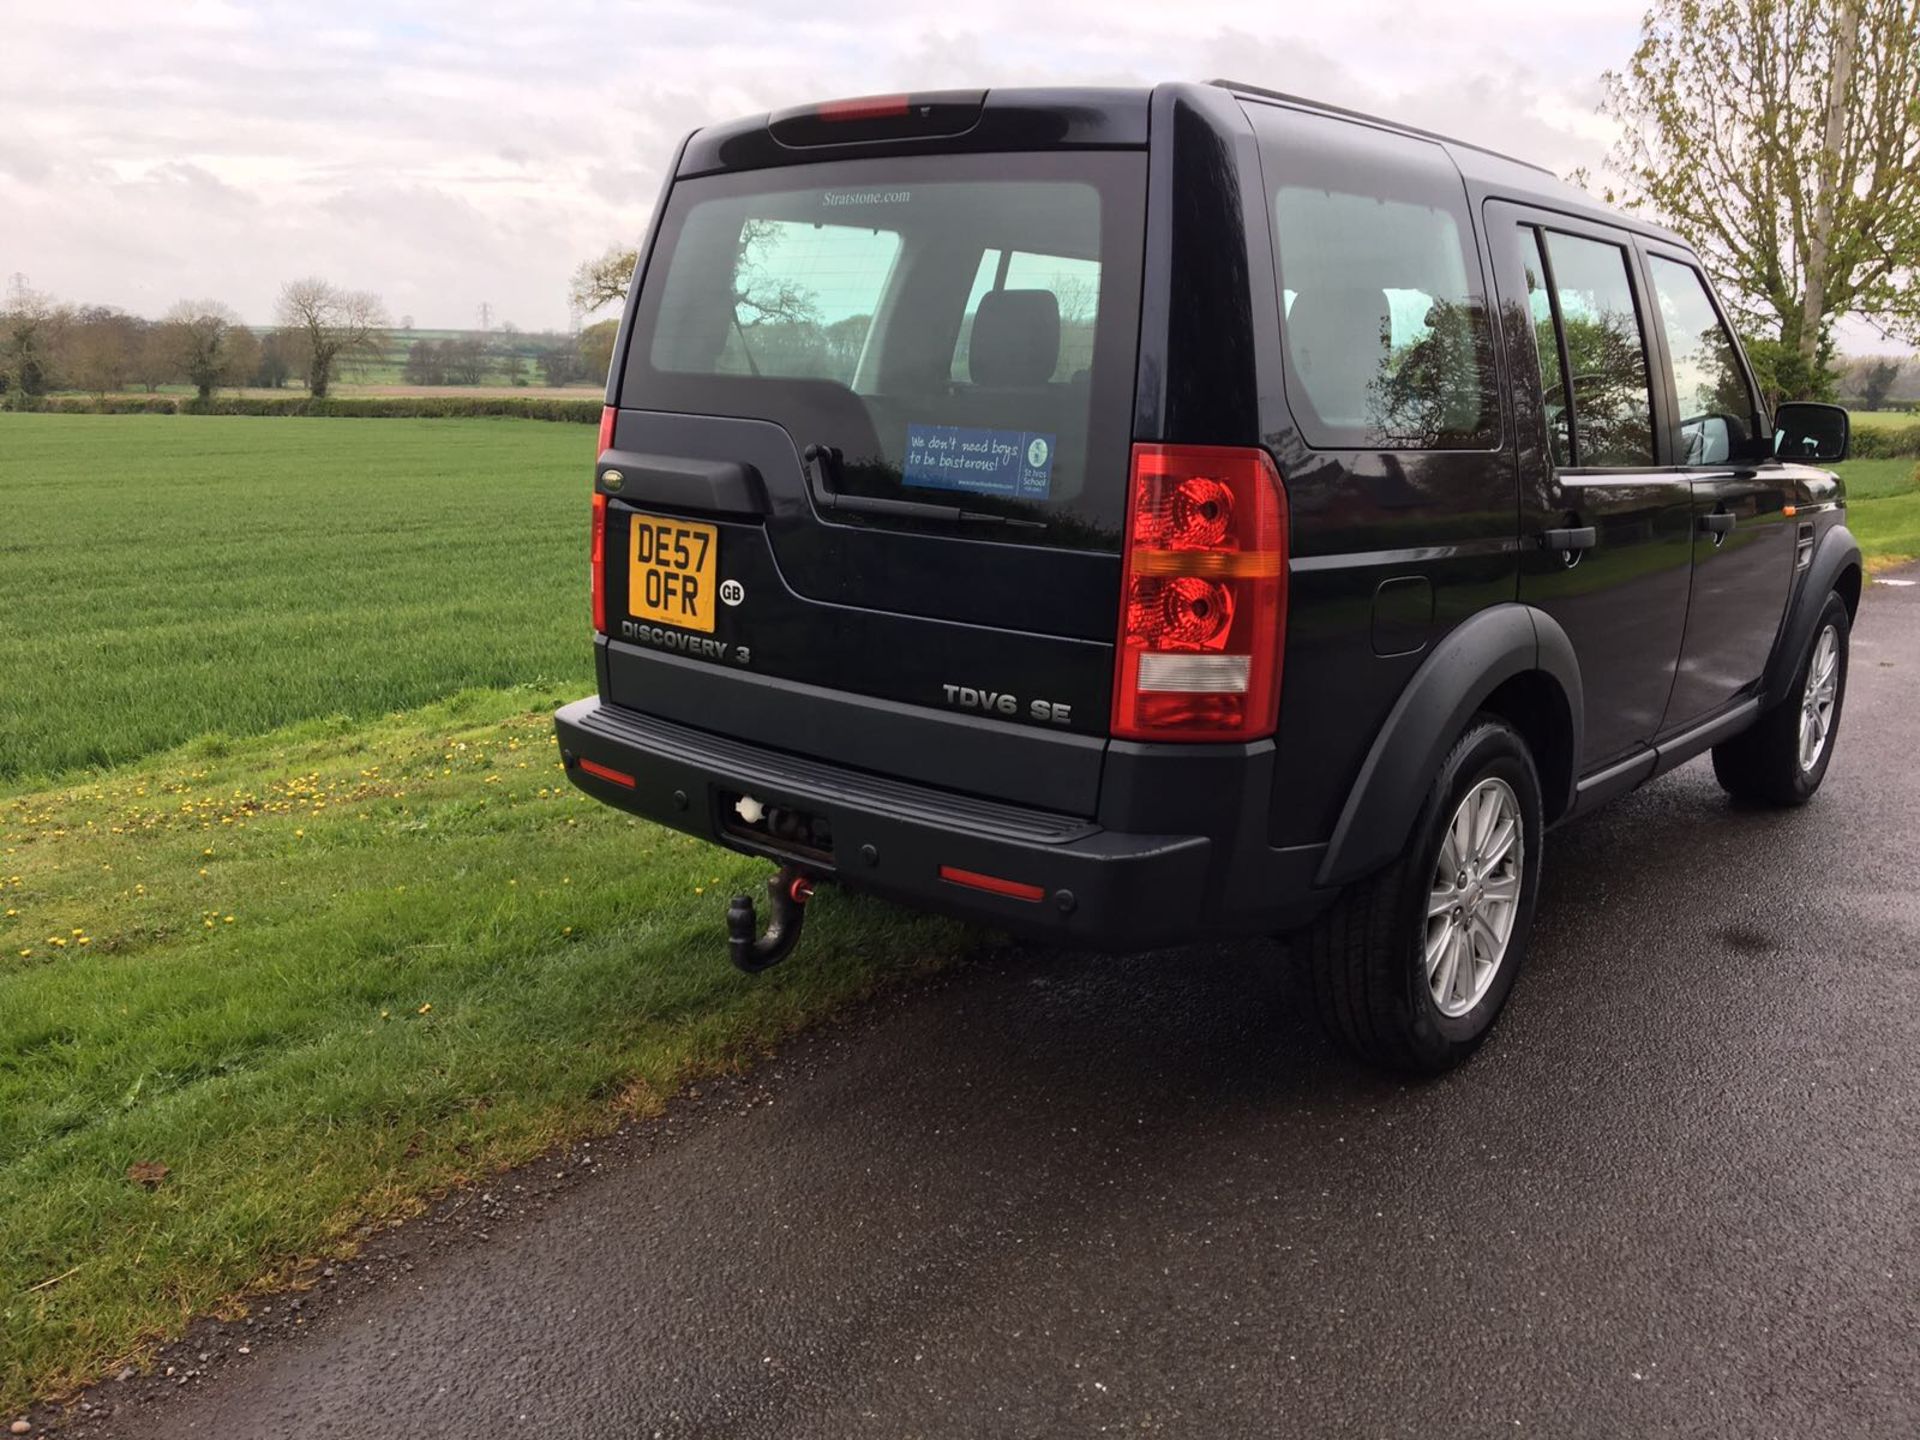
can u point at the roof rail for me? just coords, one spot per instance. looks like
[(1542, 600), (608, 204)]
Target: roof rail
[(1242, 88)]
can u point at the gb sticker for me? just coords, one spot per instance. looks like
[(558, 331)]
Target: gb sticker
[(732, 592)]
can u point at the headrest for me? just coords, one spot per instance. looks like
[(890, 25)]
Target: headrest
[(1339, 340), (1016, 338)]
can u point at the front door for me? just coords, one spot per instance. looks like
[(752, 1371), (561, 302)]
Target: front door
[(1606, 530), (1743, 540)]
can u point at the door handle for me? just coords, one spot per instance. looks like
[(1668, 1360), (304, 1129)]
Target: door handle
[(1579, 537), (1719, 524)]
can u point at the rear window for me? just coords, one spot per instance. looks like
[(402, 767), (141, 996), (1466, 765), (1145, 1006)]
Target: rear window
[(1388, 344), (961, 328)]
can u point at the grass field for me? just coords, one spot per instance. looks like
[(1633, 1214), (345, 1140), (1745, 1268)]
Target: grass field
[(163, 581), (294, 898), (1883, 509)]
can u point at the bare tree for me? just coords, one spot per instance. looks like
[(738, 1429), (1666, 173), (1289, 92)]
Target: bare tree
[(207, 345), (604, 281), (1782, 137), (97, 351), (333, 324)]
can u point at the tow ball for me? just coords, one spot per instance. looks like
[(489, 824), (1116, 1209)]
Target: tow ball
[(788, 891)]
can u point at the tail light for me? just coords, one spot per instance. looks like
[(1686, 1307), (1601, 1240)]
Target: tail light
[(1203, 602), (599, 563)]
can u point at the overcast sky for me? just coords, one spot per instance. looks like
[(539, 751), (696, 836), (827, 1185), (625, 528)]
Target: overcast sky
[(447, 154)]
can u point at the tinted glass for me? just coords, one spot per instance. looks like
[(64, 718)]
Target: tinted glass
[(1387, 340), (1074, 284), (1546, 344), (1716, 407), (803, 300), (961, 328), (1612, 406)]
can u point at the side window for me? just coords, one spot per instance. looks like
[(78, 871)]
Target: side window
[(1611, 402), (1716, 408), (1074, 284), (1546, 342), (804, 297), (1388, 344)]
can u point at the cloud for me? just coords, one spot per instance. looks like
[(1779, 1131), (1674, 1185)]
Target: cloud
[(446, 154)]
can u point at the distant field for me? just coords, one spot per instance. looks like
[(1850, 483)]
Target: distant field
[(163, 579), (1885, 419)]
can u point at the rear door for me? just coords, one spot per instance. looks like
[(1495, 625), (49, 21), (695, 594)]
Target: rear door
[(893, 395), (1743, 539), (1606, 528)]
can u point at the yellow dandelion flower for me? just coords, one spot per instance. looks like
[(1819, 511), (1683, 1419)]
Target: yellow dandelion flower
[(86, 939), (426, 1007), (566, 930), (229, 919)]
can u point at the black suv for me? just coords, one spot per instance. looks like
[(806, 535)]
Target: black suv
[(1123, 516)]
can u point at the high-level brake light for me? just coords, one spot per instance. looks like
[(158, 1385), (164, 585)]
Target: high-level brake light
[(1203, 601)]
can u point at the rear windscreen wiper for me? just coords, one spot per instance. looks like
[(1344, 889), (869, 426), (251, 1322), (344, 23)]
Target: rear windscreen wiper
[(822, 463)]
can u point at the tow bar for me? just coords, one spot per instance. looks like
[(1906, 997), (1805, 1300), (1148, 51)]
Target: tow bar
[(788, 891)]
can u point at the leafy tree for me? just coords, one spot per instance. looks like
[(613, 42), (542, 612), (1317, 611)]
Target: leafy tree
[(29, 329), (1782, 138), (1784, 373), (596, 347), (1876, 379), (279, 359), (207, 349), (603, 281), (333, 325)]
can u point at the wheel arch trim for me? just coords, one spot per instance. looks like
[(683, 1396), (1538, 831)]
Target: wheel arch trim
[(1476, 658), (1834, 554)]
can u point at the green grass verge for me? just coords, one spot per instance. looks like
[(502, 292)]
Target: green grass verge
[(164, 579), (321, 974), (1883, 509)]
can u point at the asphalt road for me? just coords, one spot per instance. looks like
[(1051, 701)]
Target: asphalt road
[(1679, 1193)]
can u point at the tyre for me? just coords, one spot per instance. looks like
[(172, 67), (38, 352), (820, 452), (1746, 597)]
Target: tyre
[(1783, 758), (1411, 966)]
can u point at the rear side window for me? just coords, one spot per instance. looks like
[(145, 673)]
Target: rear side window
[(961, 329), (1717, 419), (1388, 344)]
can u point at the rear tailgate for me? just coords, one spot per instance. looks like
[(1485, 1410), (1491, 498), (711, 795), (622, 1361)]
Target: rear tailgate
[(867, 481)]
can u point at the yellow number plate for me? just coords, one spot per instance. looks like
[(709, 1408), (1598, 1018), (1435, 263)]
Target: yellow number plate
[(670, 571)]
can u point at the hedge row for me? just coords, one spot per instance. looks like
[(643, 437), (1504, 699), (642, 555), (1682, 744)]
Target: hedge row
[(413, 407), (1876, 442)]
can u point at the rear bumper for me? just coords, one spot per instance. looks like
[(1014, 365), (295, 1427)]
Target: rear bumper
[(1098, 885)]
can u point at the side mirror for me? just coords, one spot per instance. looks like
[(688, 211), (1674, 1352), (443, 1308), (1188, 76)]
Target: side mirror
[(1806, 430)]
